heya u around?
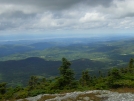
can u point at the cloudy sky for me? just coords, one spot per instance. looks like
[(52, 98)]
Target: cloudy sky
[(66, 16)]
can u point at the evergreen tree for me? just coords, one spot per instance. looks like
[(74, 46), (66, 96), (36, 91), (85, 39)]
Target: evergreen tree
[(131, 63), (66, 78), (85, 78), (115, 73), (100, 74), (33, 82), (3, 88)]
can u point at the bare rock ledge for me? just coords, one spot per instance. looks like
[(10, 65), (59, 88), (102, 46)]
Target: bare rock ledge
[(93, 95)]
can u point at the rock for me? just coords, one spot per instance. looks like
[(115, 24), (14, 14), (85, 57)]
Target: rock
[(104, 94), (86, 98), (121, 97)]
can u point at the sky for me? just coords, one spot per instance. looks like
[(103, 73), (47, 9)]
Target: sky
[(66, 17)]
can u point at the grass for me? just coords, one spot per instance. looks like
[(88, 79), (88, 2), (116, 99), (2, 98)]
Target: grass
[(46, 97), (123, 90)]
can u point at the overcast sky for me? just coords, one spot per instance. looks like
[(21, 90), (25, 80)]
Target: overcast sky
[(66, 16)]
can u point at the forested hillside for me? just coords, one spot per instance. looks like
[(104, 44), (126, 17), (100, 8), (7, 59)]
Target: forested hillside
[(66, 81), (33, 68), (17, 72)]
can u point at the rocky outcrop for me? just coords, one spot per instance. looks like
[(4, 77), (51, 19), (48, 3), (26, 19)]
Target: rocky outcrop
[(94, 95)]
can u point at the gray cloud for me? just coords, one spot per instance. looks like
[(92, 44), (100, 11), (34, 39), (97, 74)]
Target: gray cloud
[(105, 3), (15, 20), (56, 4), (65, 14), (16, 14), (44, 4), (5, 25)]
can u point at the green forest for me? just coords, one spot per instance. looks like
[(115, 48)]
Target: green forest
[(18, 61), (66, 82)]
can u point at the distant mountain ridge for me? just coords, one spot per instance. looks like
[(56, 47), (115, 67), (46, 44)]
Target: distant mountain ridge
[(19, 71)]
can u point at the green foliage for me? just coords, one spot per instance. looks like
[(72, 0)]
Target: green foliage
[(124, 83), (2, 88), (131, 63), (66, 79), (20, 94), (115, 73), (85, 79), (116, 78), (33, 82), (101, 86), (35, 92)]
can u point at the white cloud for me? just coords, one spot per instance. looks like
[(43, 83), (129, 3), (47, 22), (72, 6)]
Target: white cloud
[(118, 9), (48, 21), (92, 17), (124, 8)]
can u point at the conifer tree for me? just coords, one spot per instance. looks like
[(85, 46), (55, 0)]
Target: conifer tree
[(66, 74), (85, 78), (33, 82), (131, 63), (2, 88)]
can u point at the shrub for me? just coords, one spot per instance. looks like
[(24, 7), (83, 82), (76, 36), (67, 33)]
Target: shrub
[(21, 94)]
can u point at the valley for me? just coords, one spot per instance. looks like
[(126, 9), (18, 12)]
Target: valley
[(20, 60)]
